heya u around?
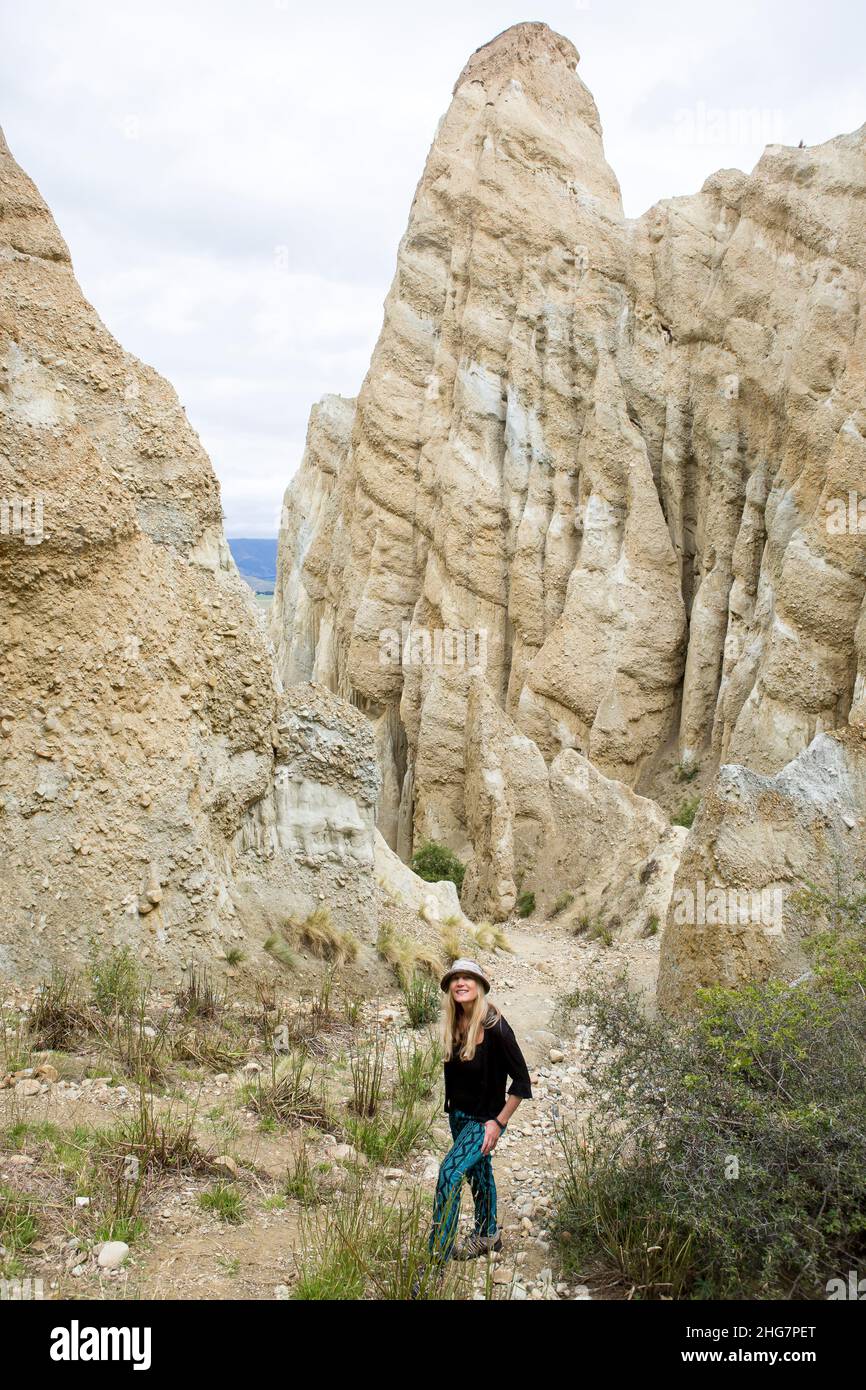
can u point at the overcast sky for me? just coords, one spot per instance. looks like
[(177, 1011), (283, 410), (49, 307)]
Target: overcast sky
[(233, 178)]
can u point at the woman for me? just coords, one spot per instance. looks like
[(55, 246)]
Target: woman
[(481, 1052)]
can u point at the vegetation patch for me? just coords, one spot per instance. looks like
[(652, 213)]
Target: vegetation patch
[(724, 1158), (435, 863)]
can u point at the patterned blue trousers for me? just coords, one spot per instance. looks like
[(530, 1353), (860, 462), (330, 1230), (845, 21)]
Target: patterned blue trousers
[(463, 1160)]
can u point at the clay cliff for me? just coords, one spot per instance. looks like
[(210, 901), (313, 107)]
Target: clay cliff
[(594, 465), (157, 788)]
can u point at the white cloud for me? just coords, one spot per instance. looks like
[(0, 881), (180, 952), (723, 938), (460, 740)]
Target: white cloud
[(190, 149)]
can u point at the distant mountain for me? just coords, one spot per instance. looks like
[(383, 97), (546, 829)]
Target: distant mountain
[(256, 558)]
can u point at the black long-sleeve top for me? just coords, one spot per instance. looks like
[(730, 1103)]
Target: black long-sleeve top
[(478, 1087)]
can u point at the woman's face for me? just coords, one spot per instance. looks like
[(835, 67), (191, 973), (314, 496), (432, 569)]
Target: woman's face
[(464, 990)]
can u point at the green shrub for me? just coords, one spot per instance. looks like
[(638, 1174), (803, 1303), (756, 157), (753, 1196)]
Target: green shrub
[(687, 812), (724, 1158), (526, 904), (421, 999), (836, 922), (434, 862), (418, 1071), (114, 980)]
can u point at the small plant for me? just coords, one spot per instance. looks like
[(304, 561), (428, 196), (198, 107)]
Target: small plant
[(279, 948), (144, 1051), (489, 937), (160, 1140), (290, 1094), (418, 1071), (210, 1048), (365, 1245), (652, 925), (687, 812), (367, 1066), (114, 980), (562, 904), (234, 956), (301, 1182), (395, 950), (197, 997), (320, 1008), (19, 1226), (225, 1201), (266, 994), (427, 961), (17, 1041), (388, 1139), (421, 999), (435, 863), (352, 1006), (452, 944), (58, 1012), (594, 929), (326, 941), (115, 1186), (526, 904), (687, 773)]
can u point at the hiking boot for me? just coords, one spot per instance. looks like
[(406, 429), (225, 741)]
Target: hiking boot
[(475, 1245)]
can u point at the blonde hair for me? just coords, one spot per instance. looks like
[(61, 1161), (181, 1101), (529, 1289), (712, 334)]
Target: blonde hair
[(483, 1012)]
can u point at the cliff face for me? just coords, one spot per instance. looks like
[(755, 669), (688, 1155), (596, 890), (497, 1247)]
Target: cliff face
[(597, 458), (143, 736)]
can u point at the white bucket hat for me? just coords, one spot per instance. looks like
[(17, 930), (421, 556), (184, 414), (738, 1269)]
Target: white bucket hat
[(465, 967)]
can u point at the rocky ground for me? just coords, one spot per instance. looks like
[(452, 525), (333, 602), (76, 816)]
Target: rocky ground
[(257, 1241)]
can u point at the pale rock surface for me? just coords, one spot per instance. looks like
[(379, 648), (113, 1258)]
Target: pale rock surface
[(734, 915), (616, 450), (436, 903), (309, 841), (563, 829)]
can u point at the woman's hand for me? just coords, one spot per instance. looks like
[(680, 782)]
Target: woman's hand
[(491, 1137)]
